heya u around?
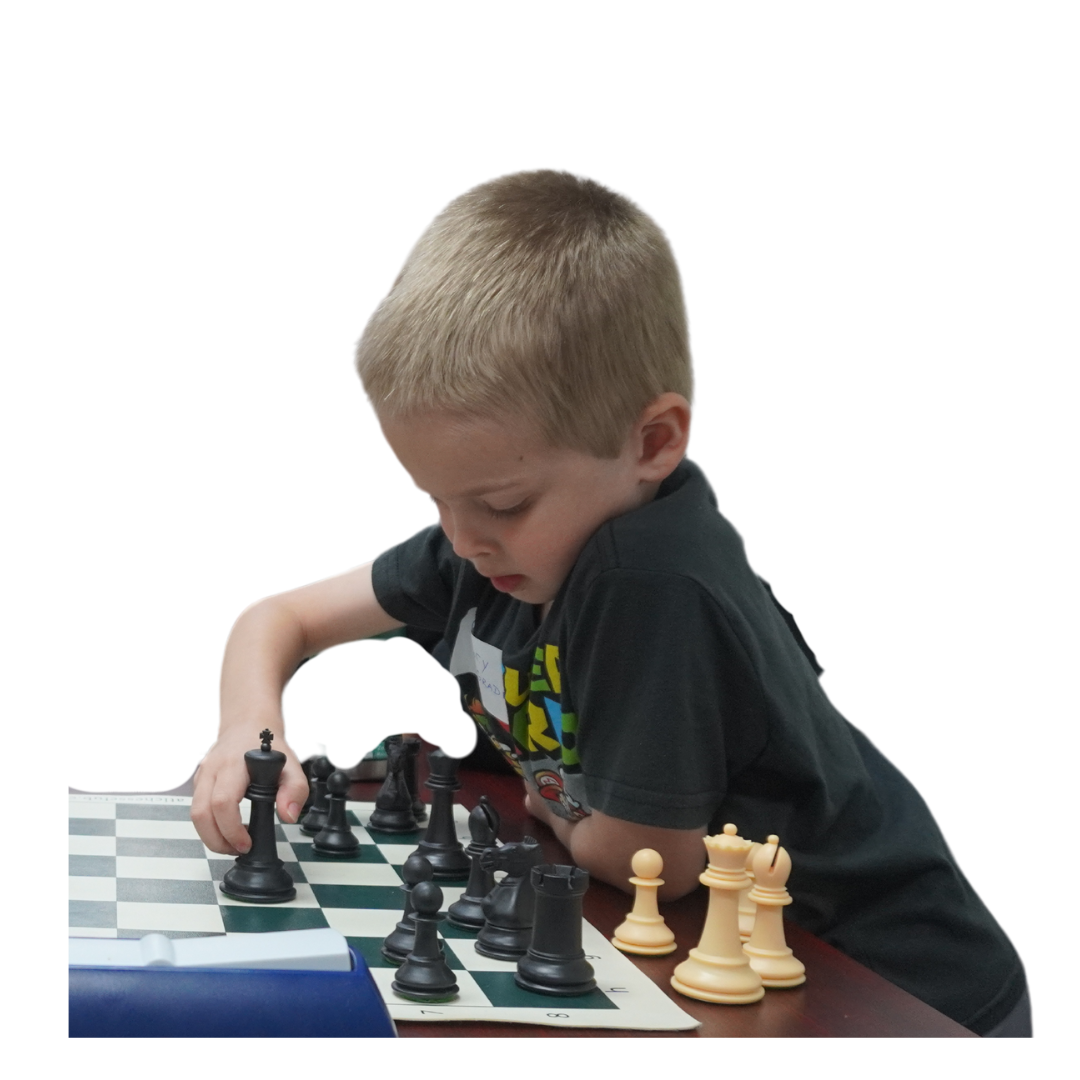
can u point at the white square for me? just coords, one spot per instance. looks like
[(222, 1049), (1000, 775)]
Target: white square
[(193, 918), (465, 950), (91, 888), (470, 996), (137, 866), (350, 873), (84, 807), (91, 845), (156, 830), (362, 922)]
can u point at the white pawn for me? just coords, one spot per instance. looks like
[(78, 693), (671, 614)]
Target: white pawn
[(767, 948), (644, 930)]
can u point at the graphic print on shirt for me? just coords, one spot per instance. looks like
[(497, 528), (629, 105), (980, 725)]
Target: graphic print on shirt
[(522, 715)]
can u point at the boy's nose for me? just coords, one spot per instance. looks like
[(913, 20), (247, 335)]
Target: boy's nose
[(467, 539)]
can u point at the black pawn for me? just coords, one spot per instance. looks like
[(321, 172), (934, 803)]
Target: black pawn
[(440, 845), (259, 876), (425, 975), (336, 837), (555, 963), (313, 821), (393, 811), (398, 944), (467, 913)]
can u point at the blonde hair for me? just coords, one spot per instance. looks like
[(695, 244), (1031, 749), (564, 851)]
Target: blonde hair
[(540, 296)]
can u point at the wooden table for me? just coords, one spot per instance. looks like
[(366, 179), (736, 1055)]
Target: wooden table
[(840, 997)]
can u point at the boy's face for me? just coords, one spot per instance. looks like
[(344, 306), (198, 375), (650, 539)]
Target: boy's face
[(517, 508)]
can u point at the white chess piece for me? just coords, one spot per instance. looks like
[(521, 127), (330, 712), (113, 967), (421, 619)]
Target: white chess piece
[(747, 908), (718, 969), (644, 930), (767, 948)]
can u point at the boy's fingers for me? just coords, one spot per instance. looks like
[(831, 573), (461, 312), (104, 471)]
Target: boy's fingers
[(292, 793)]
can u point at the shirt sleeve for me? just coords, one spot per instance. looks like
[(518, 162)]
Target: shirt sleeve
[(414, 581), (662, 691)]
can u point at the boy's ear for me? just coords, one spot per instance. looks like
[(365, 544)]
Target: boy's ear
[(665, 431)]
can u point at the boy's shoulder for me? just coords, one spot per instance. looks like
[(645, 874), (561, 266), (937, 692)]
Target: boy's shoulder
[(680, 534)]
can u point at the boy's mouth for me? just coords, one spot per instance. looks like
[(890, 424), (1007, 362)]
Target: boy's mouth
[(508, 583)]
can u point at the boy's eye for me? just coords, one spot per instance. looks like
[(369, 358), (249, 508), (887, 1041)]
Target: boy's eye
[(505, 513)]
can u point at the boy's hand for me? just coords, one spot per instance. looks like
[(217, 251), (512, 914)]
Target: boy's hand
[(220, 784)]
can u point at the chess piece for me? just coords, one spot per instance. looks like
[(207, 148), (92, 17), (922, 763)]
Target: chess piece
[(555, 962), (747, 907), (336, 836), (467, 913), (644, 931), (425, 975), (393, 811), (440, 845), (510, 906), (718, 969), (767, 949), (399, 942), (259, 876), (412, 755), (313, 821)]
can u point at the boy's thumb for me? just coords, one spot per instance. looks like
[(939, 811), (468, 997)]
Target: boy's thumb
[(291, 797)]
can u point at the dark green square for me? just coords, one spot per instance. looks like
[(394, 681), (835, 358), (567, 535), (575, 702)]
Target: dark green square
[(91, 866), (261, 918), (370, 949), (152, 812), (382, 897), (449, 930), (92, 913), (165, 891), (501, 990), (381, 837), (86, 826)]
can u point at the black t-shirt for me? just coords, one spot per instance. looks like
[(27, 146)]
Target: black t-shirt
[(667, 687)]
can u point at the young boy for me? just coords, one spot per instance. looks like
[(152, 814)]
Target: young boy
[(530, 369)]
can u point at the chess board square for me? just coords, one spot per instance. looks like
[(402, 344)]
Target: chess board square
[(363, 923), (171, 869), (92, 845), (396, 839), (91, 866), (91, 826), (92, 931), (81, 807), (165, 918), (140, 811), (465, 950), (92, 888), (470, 996), (501, 990), (123, 932), (365, 853), (449, 930), (164, 891), (90, 913), (263, 918), (156, 847), (370, 948), (162, 828), (359, 896), (342, 872), (396, 853)]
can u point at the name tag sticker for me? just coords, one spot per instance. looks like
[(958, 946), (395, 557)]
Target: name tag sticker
[(489, 672)]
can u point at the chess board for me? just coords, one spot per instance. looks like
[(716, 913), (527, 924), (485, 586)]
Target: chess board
[(137, 866)]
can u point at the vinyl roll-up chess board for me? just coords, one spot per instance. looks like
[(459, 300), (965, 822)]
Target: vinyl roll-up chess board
[(137, 866)]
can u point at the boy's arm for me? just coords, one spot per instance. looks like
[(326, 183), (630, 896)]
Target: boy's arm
[(605, 845), (266, 646)]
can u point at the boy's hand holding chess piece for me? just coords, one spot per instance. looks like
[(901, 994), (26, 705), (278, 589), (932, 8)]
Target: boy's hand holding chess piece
[(220, 784)]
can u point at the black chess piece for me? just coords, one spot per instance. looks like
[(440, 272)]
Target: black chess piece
[(259, 876), (425, 975), (412, 757), (467, 913), (336, 837), (509, 907), (313, 821), (440, 845), (399, 942), (555, 963), (393, 811)]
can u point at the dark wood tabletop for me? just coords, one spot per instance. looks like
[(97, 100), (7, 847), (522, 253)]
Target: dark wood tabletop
[(840, 998)]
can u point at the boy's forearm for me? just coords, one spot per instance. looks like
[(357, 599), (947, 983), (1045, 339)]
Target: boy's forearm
[(264, 650), (605, 845)]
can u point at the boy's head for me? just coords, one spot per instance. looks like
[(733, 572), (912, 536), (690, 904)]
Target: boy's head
[(538, 297), (530, 370)]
